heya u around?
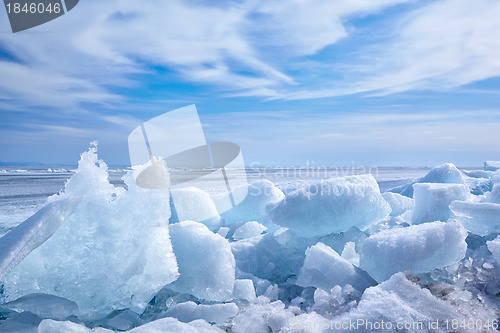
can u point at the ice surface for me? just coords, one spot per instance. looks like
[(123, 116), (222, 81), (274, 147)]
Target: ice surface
[(491, 165), (479, 218), (432, 201), (418, 248), (33, 232), (444, 173), (398, 301), (206, 263), (331, 206), (249, 230), (215, 313), (44, 306), (399, 203), (324, 268), (196, 205), (244, 289), (253, 208), (112, 252)]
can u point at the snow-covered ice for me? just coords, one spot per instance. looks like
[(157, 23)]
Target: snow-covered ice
[(249, 230), (432, 201), (398, 301), (214, 313), (418, 248), (331, 206), (324, 268)]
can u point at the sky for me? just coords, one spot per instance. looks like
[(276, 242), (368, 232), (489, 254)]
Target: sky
[(298, 82)]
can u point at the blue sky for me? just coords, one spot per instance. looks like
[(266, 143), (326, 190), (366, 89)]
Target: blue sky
[(387, 82)]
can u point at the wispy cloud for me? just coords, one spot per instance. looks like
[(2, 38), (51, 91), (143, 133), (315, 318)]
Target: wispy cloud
[(244, 47), (442, 45)]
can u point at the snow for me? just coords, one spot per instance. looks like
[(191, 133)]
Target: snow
[(399, 203), (249, 230), (479, 218), (206, 263), (432, 201), (398, 301), (445, 173), (324, 268), (262, 316), (215, 313), (194, 204), (420, 248), (172, 325), (113, 251), (164, 325), (331, 206), (491, 165), (44, 306), (261, 193)]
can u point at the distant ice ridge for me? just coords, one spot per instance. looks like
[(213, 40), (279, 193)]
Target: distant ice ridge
[(112, 252), (444, 173), (331, 206), (491, 165)]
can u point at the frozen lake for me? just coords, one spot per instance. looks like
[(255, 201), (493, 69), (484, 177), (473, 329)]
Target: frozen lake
[(24, 190)]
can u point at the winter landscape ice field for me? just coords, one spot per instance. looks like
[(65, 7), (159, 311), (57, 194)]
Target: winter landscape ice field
[(314, 251)]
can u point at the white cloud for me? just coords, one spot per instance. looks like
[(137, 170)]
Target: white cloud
[(443, 45), (100, 43)]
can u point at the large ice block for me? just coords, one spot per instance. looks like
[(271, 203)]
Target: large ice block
[(432, 201), (324, 268), (112, 252), (418, 248), (480, 218), (331, 206), (206, 263)]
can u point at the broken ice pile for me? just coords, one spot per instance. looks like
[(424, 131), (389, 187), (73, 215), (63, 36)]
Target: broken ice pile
[(330, 252), (112, 252)]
